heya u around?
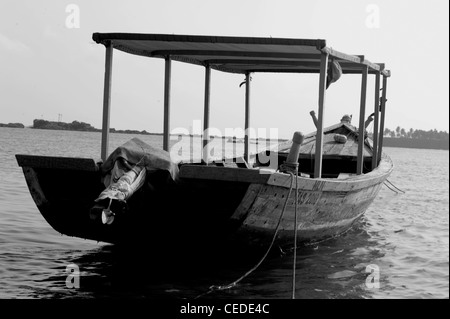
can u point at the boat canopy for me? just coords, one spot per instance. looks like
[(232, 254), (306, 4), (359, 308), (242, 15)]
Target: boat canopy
[(246, 55), (237, 54)]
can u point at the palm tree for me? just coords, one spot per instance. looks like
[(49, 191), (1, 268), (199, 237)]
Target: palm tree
[(403, 132)]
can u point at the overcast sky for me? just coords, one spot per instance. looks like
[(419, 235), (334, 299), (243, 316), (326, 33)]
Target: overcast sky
[(49, 64)]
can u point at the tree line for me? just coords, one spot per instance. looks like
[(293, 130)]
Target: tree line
[(416, 134), (74, 126)]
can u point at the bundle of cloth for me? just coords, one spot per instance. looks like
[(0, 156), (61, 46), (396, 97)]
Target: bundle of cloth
[(125, 171)]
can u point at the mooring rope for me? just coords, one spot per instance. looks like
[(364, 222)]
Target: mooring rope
[(395, 186), (234, 283), (390, 188), (294, 266)]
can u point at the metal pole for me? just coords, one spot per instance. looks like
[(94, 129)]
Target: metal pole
[(167, 80), (107, 101), (376, 122), (362, 115), (319, 135), (247, 116), (383, 113), (205, 150)]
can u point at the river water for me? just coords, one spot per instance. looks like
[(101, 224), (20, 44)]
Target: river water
[(399, 249)]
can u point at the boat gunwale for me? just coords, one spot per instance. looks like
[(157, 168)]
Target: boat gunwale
[(352, 183)]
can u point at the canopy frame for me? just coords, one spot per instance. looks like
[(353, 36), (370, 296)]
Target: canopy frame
[(246, 55)]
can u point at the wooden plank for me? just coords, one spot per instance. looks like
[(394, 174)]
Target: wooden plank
[(205, 150), (371, 65), (349, 147), (53, 162), (362, 115), (328, 146), (34, 187), (208, 39), (167, 82), (319, 135), (231, 174), (307, 149), (268, 62), (247, 117), (243, 53), (243, 209), (383, 114), (376, 122), (382, 66), (331, 185), (107, 101), (335, 148), (343, 56)]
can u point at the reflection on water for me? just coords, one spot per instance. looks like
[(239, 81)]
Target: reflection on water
[(334, 268)]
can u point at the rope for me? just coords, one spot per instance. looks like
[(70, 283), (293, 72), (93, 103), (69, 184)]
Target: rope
[(234, 283), (390, 188), (395, 186), (395, 191), (294, 266)]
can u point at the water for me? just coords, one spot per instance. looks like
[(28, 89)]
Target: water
[(405, 236)]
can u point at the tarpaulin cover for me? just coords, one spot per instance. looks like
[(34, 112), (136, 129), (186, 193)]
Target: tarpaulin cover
[(134, 151)]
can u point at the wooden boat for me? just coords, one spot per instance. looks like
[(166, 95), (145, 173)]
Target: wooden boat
[(315, 188)]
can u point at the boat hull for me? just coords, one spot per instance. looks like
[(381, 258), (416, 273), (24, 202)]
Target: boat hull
[(325, 207), (198, 210)]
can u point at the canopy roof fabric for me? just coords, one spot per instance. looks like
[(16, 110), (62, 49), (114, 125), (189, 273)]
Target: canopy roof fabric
[(237, 54)]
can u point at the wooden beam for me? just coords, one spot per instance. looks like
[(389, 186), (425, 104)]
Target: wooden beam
[(291, 62), (247, 117), (167, 82), (319, 135), (107, 101), (55, 162), (314, 64), (205, 150), (371, 65), (383, 113), (231, 174), (228, 53), (362, 117), (343, 56), (376, 122)]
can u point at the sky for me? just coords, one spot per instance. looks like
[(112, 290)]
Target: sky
[(50, 68)]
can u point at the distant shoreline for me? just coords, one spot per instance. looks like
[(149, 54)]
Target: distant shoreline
[(13, 125), (86, 127), (416, 143), (401, 142)]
